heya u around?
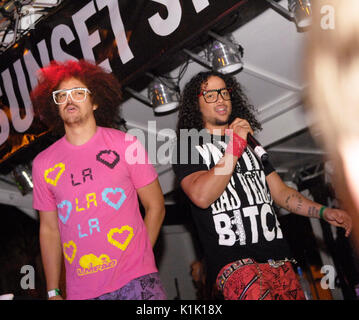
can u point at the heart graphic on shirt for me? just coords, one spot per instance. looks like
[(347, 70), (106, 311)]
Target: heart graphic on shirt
[(119, 203), (108, 157), (69, 209), (58, 175), (121, 245), (67, 246)]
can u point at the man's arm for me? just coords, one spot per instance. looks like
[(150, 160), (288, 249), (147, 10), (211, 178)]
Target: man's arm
[(51, 250), (205, 187), (293, 201), (151, 197)]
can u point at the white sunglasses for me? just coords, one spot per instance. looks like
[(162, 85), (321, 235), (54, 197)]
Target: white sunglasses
[(77, 95)]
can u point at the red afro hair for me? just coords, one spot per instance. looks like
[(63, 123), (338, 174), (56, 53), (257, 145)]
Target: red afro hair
[(105, 92)]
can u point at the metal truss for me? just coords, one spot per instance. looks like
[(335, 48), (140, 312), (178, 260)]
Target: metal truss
[(18, 17)]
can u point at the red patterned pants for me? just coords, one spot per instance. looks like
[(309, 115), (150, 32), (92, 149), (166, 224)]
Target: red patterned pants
[(247, 280)]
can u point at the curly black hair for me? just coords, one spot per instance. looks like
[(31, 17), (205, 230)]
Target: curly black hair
[(190, 116), (105, 92)]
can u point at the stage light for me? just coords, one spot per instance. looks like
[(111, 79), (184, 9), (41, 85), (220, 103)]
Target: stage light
[(298, 10), (223, 55), (17, 17), (8, 8), (224, 59), (161, 95), (302, 11)]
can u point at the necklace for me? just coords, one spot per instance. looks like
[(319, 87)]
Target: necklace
[(249, 172)]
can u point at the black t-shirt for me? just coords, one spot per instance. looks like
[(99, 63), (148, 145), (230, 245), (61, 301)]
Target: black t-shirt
[(242, 222)]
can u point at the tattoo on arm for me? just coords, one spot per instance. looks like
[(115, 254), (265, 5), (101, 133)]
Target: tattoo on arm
[(287, 206), (294, 203), (300, 203), (313, 212), (287, 202)]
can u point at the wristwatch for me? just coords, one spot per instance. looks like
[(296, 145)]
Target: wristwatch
[(53, 293)]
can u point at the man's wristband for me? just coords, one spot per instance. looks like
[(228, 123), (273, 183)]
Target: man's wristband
[(54, 293), (236, 145), (321, 212)]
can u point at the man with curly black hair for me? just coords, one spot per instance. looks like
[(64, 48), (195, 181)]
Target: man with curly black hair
[(86, 188), (232, 192)]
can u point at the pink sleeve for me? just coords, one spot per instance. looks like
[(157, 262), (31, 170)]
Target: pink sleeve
[(43, 199), (141, 169)]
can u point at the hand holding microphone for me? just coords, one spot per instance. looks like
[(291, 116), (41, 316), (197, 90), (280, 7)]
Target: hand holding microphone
[(242, 128), (257, 148)]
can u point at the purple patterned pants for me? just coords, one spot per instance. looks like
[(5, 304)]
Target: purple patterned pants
[(147, 287)]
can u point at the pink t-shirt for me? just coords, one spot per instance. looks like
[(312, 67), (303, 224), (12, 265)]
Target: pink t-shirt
[(93, 188)]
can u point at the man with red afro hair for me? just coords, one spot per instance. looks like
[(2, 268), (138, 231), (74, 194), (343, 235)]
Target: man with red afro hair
[(86, 189)]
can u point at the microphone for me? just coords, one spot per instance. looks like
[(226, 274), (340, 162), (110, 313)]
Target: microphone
[(257, 148)]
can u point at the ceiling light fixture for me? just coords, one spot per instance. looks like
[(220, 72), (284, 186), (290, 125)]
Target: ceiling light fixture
[(162, 95), (223, 55), (17, 17), (8, 8), (299, 11)]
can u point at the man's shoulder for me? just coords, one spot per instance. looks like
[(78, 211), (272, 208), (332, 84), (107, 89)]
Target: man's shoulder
[(193, 140), (114, 133)]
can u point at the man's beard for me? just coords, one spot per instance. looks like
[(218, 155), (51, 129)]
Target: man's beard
[(72, 119), (221, 123)]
